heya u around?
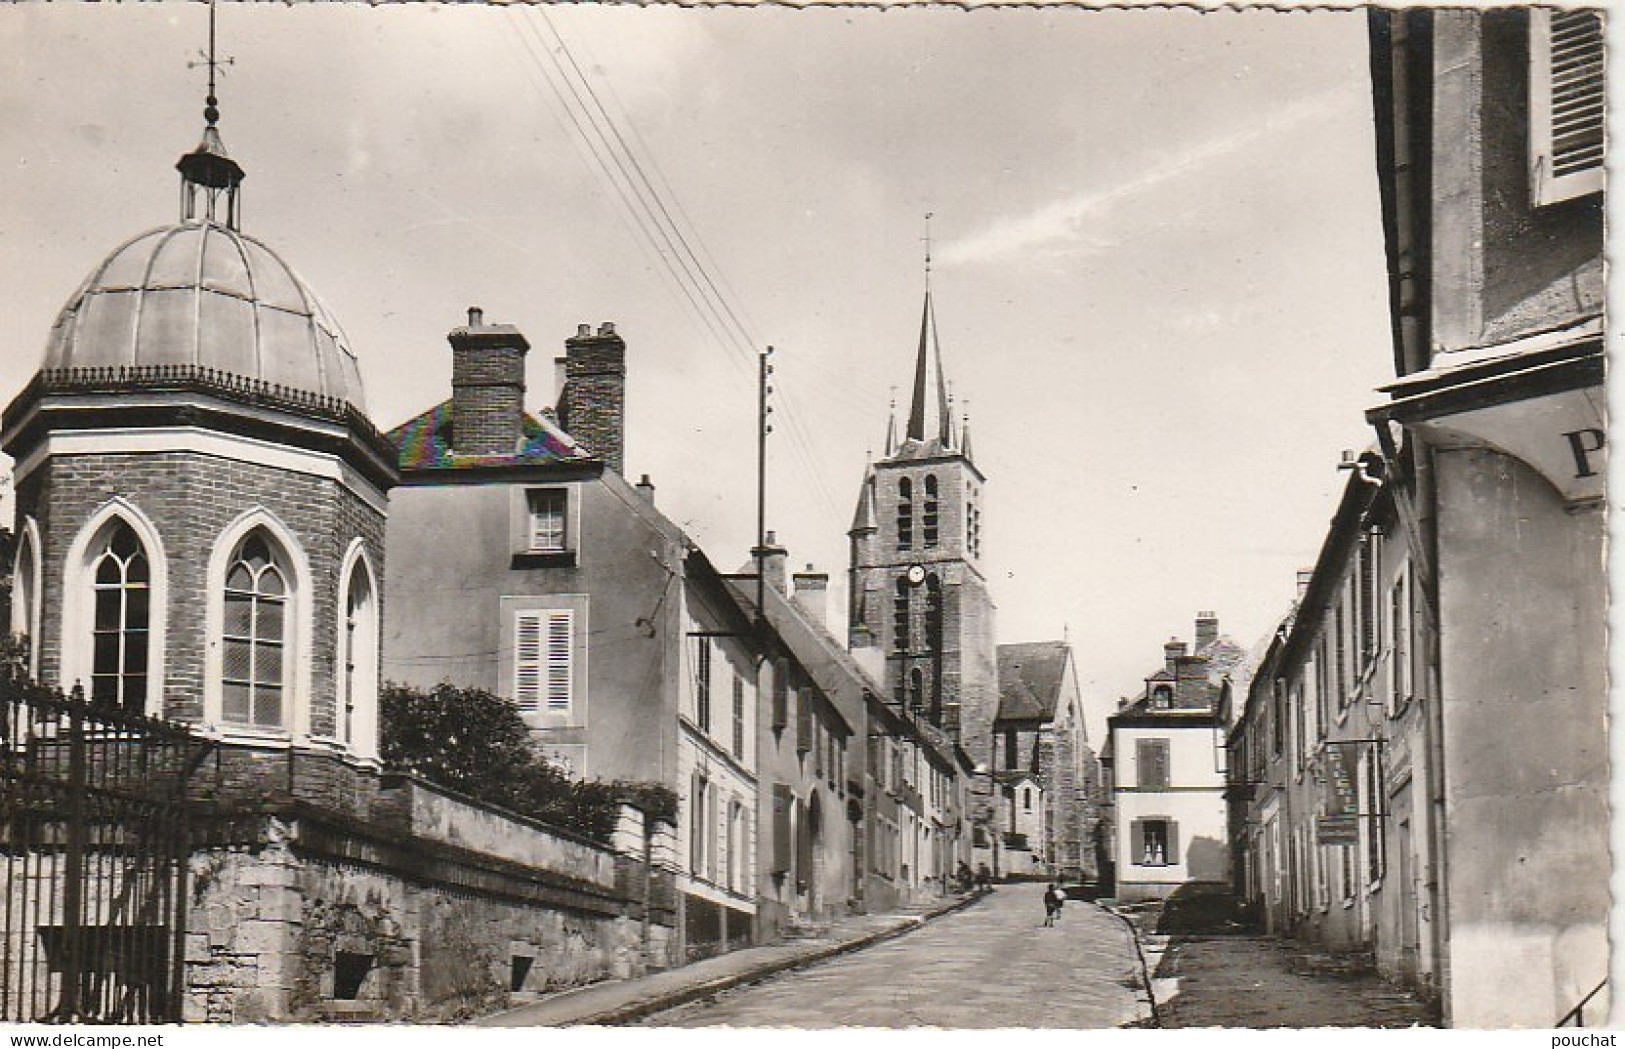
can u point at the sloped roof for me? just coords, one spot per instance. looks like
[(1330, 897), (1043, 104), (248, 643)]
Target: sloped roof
[(425, 440), (1030, 676)]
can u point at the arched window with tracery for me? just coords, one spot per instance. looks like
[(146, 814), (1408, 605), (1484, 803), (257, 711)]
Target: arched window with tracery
[(929, 517), (121, 618), (256, 634), (905, 514)]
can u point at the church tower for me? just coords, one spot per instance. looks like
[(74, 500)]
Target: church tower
[(918, 590)]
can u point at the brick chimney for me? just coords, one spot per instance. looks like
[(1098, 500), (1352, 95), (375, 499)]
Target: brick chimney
[(1207, 629), (592, 404), (646, 488), (811, 594), (773, 559), (1173, 650), (487, 386)]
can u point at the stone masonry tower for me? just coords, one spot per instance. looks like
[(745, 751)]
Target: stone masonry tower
[(918, 593)]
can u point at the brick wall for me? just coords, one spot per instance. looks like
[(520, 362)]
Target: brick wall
[(487, 395), (592, 406), (191, 498)]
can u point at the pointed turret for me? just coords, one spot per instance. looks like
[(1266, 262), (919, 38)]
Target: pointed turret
[(928, 416), (863, 519), (964, 434)]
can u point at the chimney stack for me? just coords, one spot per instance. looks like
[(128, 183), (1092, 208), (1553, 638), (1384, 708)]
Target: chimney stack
[(1207, 629), (773, 558), (487, 386), (646, 488), (811, 594), (1172, 652), (592, 404)]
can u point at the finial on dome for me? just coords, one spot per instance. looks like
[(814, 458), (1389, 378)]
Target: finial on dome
[(209, 177)]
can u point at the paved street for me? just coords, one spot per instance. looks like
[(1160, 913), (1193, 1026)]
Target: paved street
[(991, 965)]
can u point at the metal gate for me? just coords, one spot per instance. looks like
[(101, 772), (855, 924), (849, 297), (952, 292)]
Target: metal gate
[(93, 859)]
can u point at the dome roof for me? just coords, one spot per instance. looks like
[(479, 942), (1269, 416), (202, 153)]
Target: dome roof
[(199, 294)]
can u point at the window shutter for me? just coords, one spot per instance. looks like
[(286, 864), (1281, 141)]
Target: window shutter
[(560, 671), (1566, 103), (781, 694), (804, 717), (783, 802), (1171, 855), (1136, 841), (528, 661), (1151, 759)]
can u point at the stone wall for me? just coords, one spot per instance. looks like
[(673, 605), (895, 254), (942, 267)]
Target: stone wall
[(433, 910)]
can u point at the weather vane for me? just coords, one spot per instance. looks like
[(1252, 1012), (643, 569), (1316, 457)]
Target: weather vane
[(211, 112), (927, 239)]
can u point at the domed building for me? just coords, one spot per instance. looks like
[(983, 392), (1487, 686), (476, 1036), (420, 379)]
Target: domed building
[(200, 495)]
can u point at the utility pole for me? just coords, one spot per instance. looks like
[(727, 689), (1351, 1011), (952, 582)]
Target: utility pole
[(763, 428)]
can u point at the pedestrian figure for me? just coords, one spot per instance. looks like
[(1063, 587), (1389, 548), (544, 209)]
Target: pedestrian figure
[(982, 876), (1053, 899), (963, 879)]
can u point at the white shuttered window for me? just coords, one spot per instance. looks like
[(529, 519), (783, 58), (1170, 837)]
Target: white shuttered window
[(542, 664), (1566, 102)]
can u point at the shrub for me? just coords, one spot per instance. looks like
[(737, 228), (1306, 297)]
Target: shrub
[(472, 742)]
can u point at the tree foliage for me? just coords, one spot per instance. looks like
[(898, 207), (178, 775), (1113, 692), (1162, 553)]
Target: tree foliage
[(475, 743)]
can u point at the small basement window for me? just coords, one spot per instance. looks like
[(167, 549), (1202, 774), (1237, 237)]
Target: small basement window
[(349, 973), (519, 971)]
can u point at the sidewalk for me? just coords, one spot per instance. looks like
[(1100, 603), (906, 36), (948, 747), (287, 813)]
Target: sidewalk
[(626, 1001), (1221, 975)]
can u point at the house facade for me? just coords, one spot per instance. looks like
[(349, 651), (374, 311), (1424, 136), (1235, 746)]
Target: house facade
[(1427, 745), (620, 644), (1490, 151), (1329, 755), (1164, 769)]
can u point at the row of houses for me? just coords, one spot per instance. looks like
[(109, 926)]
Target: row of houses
[(1418, 769), (219, 548)]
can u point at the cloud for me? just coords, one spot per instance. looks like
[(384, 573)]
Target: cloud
[(1074, 225)]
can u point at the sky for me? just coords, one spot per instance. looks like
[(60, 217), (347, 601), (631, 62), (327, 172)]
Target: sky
[(1157, 257)]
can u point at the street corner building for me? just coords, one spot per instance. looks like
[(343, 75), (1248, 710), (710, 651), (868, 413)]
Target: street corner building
[(203, 830), (1420, 769), (1166, 823)]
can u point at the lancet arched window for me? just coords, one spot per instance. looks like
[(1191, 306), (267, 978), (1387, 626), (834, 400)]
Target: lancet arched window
[(356, 716), (25, 597), (121, 618), (256, 634)]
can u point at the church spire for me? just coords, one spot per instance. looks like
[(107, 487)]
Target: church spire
[(209, 177), (928, 415)]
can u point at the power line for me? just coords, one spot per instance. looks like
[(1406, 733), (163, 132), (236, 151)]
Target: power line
[(657, 225)]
